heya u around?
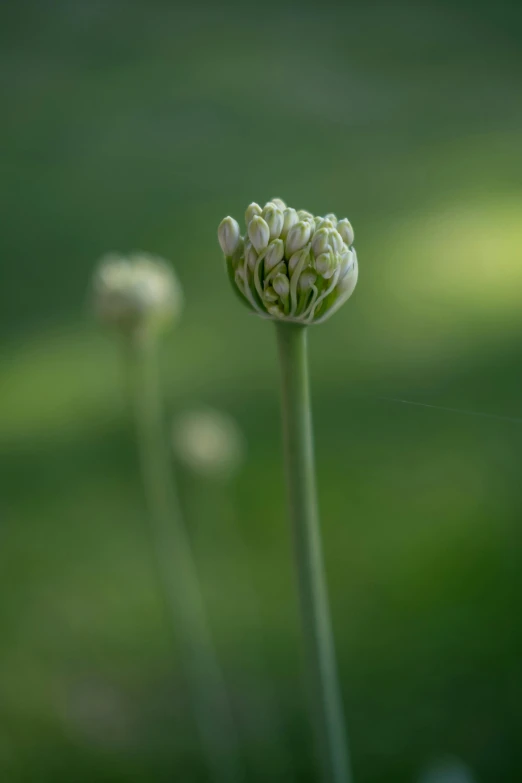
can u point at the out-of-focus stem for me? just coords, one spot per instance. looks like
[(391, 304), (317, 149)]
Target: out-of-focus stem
[(177, 570)]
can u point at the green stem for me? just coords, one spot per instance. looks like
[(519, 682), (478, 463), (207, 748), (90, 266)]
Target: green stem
[(177, 570), (302, 498)]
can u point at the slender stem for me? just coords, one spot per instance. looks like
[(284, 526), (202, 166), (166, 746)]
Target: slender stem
[(177, 570), (302, 499)]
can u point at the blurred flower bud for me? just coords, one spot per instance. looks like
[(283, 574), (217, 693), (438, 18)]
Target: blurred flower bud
[(320, 241), (335, 241), (281, 285), (306, 281), (344, 227), (228, 235), (297, 237), (331, 218), (282, 240), (259, 233), (252, 210), (274, 254), (136, 294), (209, 443), (250, 255), (326, 264), (273, 217), (289, 219)]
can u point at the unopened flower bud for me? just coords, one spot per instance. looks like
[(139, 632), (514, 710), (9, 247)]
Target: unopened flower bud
[(281, 285), (299, 258), (270, 295), (259, 233), (289, 219), (293, 266), (273, 217), (306, 281), (344, 227), (274, 254), (335, 241), (250, 255), (228, 235), (326, 264), (320, 241), (209, 443), (297, 237), (347, 261), (139, 293), (252, 210)]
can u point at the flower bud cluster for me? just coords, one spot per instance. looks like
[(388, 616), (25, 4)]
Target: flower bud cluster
[(290, 265), (138, 293)]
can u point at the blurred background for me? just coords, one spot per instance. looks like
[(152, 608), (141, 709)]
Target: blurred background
[(138, 125)]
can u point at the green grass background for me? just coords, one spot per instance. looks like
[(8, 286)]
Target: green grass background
[(139, 125)]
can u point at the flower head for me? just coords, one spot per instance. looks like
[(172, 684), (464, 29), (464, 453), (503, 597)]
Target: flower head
[(290, 265), (136, 293), (209, 443)]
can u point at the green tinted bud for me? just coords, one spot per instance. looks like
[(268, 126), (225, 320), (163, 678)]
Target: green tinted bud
[(297, 237), (344, 227), (320, 241), (138, 294), (271, 295), (347, 261), (275, 270), (259, 233), (306, 281), (281, 285), (335, 241), (250, 255), (252, 210), (228, 235), (300, 257), (289, 219), (273, 217), (326, 264), (274, 254)]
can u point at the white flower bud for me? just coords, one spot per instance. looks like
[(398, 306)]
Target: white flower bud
[(344, 227), (299, 256), (273, 217), (304, 215), (270, 295), (250, 255), (274, 254), (259, 233), (289, 219), (279, 203), (297, 237), (320, 241), (306, 281), (228, 235), (209, 443), (332, 218), (139, 293), (252, 210), (347, 261), (326, 265), (336, 241), (281, 285)]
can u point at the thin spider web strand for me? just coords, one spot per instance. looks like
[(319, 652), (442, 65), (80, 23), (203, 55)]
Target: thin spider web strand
[(478, 414)]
